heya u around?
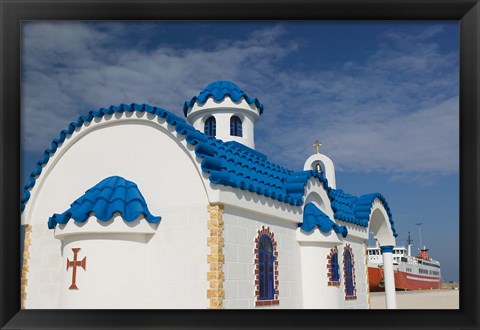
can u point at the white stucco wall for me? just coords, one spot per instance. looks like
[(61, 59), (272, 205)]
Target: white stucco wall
[(177, 258), (241, 229), (143, 151), (114, 271), (316, 291), (317, 294)]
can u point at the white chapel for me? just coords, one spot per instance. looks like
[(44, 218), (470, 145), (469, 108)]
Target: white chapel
[(134, 207)]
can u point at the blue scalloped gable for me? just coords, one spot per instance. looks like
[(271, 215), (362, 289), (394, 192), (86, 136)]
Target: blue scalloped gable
[(313, 216), (111, 195), (231, 164), (363, 204), (218, 90)]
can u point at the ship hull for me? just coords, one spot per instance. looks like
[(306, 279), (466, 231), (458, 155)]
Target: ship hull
[(403, 280), (375, 279), (406, 281)]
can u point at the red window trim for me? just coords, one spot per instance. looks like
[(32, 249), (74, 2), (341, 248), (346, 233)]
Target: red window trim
[(275, 301)]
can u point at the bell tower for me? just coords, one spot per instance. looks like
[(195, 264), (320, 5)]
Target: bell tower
[(321, 163), (224, 111)]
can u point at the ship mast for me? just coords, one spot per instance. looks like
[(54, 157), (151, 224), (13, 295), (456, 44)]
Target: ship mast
[(409, 241), (420, 234)]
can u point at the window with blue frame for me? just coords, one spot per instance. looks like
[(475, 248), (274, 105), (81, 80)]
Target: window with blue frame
[(265, 263), (334, 269), (235, 126), (349, 281), (210, 127)]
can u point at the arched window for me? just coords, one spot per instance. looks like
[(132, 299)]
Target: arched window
[(349, 273), (210, 127), (334, 264), (265, 265), (333, 268), (235, 126), (266, 268)]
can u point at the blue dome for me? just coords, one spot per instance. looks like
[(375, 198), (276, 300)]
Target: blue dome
[(218, 90)]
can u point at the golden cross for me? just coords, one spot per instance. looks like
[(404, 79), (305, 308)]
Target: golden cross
[(317, 146)]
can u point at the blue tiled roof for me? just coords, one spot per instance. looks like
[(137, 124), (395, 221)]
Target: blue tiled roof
[(111, 195), (230, 164), (313, 216), (342, 206), (362, 206), (237, 145), (296, 182), (356, 210), (218, 90)]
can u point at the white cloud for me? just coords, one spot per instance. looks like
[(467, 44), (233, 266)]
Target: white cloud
[(395, 112)]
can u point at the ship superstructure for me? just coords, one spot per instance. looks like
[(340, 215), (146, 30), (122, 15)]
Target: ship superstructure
[(411, 273)]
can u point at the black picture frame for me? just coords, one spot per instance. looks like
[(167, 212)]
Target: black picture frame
[(13, 12)]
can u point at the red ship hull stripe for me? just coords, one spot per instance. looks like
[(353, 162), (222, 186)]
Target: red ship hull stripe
[(403, 281), (422, 279)]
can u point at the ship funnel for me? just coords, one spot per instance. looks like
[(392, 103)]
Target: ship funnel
[(423, 254)]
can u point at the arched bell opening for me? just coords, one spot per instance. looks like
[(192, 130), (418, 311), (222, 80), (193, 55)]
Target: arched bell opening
[(318, 166), (380, 227)]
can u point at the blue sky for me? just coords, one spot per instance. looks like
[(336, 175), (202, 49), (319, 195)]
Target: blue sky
[(382, 97)]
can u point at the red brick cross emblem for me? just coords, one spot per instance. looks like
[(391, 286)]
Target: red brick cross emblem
[(74, 264)]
